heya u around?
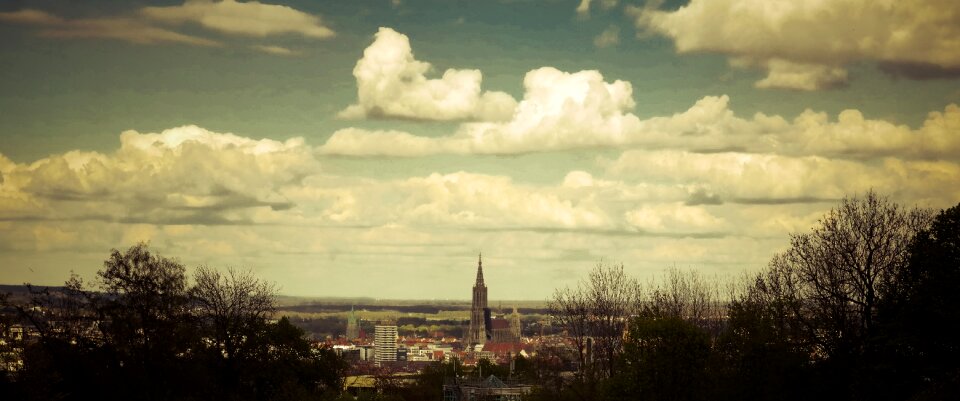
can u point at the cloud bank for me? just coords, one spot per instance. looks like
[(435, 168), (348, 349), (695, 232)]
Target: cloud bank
[(250, 18), (151, 25), (807, 45)]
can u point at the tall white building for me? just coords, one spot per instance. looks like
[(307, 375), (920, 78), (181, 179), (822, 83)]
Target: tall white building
[(385, 343)]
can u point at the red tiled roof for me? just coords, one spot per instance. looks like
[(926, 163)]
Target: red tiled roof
[(502, 348), (499, 324)]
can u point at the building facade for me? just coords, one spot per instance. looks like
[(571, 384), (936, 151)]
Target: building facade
[(385, 343)]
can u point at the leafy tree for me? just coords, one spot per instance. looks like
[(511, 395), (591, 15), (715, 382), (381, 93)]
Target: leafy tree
[(126, 336), (142, 308)]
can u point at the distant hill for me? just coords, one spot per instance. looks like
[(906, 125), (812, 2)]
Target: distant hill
[(20, 291)]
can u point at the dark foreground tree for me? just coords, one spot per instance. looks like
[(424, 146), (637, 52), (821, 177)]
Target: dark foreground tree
[(921, 321), (141, 333), (756, 356), (664, 358), (830, 297), (594, 316), (844, 268)]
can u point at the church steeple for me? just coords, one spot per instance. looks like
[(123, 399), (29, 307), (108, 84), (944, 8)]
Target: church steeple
[(479, 271), (478, 333)]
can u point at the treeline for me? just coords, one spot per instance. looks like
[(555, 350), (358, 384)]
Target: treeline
[(140, 332), (866, 306)]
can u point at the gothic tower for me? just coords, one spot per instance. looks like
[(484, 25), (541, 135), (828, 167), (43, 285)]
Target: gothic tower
[(353, 328), (478, 330)]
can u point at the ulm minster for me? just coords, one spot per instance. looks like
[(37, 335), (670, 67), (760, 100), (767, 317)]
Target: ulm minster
[(675, 200)]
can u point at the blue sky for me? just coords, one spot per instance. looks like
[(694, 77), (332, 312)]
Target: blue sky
[(548, 134)]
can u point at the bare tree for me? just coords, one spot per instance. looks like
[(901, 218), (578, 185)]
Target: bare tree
[(595, 316), (685, 295), (232, 305), (571, 311), (612, 297), (836, 276)]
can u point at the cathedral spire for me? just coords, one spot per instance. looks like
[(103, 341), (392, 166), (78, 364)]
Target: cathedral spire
[(480, 271), (479, 313)]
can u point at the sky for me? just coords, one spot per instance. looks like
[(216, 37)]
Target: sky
[(375, 148)]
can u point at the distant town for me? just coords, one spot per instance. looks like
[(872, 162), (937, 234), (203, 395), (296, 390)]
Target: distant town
[(854, 310), (490, 335)]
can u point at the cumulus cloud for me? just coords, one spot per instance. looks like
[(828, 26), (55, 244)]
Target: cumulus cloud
[(250, 18), (804, 45), (185, 174), (126, 29), (562, 110), (391, 83), (559, 110), (580, 110)]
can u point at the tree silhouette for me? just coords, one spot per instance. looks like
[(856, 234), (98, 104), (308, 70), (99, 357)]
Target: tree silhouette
[(142, 333)]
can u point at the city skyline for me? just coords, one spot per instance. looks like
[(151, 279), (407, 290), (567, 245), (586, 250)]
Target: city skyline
[(374, 148)]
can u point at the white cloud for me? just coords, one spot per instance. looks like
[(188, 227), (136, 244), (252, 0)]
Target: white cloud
[(189, 175), (228, 17), (803, 45), (559, 110), (769, 178), (250, 18), (226, 199), (30, 16), (583, 9), (392, 83), (784, 74), (185, 174), (275, 50), (580, 110), (609, 37), (125, 29), (674, 217)]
